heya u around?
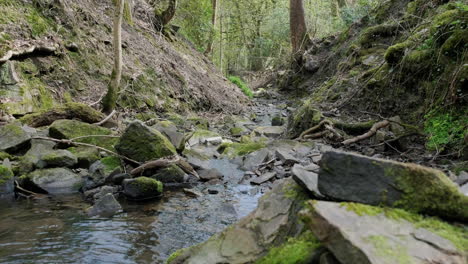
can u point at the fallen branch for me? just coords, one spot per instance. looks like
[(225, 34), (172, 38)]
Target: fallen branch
[(185, 166), (315, 128), (369, 134), (160, 163), (105, 119), (70, 142)]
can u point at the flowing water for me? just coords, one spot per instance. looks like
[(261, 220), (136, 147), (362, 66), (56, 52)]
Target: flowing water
[(55, 229)]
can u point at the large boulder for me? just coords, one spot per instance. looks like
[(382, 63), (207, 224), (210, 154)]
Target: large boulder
[(52, 181), (32, 159), (274, 220), (59, 158), (357, 178), (357, 233), (142, 188), (170, 131), (13, 138), (7, 186), (142, 143), (87, 133), (100, 171), (106, 206)]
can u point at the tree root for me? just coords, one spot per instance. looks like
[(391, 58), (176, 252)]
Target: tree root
[(369, 134), (36, 50), (100, 123), (163, 163)]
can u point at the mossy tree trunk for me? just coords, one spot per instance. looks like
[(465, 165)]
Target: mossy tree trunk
[(110, 99), (298, 26)]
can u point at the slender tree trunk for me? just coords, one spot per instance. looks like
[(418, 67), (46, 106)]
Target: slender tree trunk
[(209, 49), (110, 98), (169, 13), (298, 26)]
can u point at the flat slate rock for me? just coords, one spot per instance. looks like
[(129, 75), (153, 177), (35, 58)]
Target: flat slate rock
[(263, 178), (306, 179), (376, 239), (13, 137)]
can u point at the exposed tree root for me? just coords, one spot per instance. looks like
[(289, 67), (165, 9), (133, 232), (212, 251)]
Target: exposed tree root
[(100, 123), (29, 50), (369, 134)]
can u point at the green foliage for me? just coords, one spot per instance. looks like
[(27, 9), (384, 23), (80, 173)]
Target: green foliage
[(39, 25), (297, 250), (110, 163), (240, 149), (242, 85), (445, 128)]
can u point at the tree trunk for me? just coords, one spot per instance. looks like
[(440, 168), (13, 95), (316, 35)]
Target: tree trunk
[(110, 98), (209, 49), (298, 27), (169, 13)]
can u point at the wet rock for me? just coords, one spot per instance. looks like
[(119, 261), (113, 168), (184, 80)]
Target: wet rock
[(142, 188), (53, 181), (197, 159), (356, 237), (193, 193), (263, 178), (170, 131), (271, 131), (86, 155), (307, 179), (69, 129), (462, 178), (274, 220), (32, 158), (356, 178), (142, 143), (277, 121), (254, 159), (210, 174), (200, 137), (106, 206), (171, 174), (118, 178), (7, 186), (59, 158), (13, 138), (286, 157), (100, 171)]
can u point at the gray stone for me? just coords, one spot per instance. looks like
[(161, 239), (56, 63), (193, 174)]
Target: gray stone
[(286, 157), (192, 193), (58, 158), (462, 178), (98, 175), (106, 206), (118, 178), (357, 178), (197, 159), (53, 181), (200, 137), (254, 159), (13, 138), (376, 239), (263, 178), (464, 189), (306, 179), (210, 174), (274, 220), (170, 131), (7, 185), (142, 188), (105, 190), (270, 131), (214, 140)]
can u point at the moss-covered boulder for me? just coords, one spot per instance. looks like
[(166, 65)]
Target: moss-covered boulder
[(351, 177), (87, 133), (7, 186), (168, 129), (142, 188), (85, 155), (52, 181), (142, 143), (100, 170), (357, 233), (78, 111), (59, 158), (171, 174), (201, 136), (302, 119), (13, 138)]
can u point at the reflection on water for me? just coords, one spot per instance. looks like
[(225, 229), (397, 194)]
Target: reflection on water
[(56, 230)]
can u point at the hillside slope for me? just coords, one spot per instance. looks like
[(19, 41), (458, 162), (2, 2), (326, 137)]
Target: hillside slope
[(72, 60)]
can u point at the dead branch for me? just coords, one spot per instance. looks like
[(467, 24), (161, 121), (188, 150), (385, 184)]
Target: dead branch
[(316, 135), (159, 163), (315, 128), (70, 142), (370, 133), (105, 119), (185, 166)]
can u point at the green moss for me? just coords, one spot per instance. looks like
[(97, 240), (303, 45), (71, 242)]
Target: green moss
[(236, 130), (294, 251), (147, 184), (242, 85), (4, 155), (38, 24), (176, 119), (174, 255), (110, 163), (371, 34), (193, 153), (166, 123), (385, 248), (303, 118), (445, 128), (395, 53), (240, 149), (5, 174), (457, 235), (456, 44), (85, 155)]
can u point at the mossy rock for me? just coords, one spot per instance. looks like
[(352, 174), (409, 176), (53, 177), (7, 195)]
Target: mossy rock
[(233, 150), (59, 158), (13, 138), (142, 143), (4, 155), (85, 155), (52, 181), (302, 119), (142, 188), (170, 174), (94, 135), (6, 182), (78, 111)]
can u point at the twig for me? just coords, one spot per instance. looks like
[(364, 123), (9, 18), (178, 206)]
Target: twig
[(70, 142), (370, 133), (160, 163), (313, 129), (24, 190), (98, 101), (106, 119)]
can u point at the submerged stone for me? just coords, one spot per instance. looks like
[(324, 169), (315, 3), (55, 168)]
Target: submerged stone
[(106, 206), (7, 186)]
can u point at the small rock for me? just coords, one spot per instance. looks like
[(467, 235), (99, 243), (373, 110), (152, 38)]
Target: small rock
[(73, 47), (7, 186), (53, 181), (271, 131), (171, 174), (107, 206), (464, 189), (210, 174), (285, 157), (462, 178), (263, 178), (277, 121), (59, 158), (307, 179), (118, 178), (254, 159), (142, 188), (214, 140), (192, 192)]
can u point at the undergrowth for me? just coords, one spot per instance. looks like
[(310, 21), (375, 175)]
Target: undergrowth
[(445, 129), (242, 85)]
